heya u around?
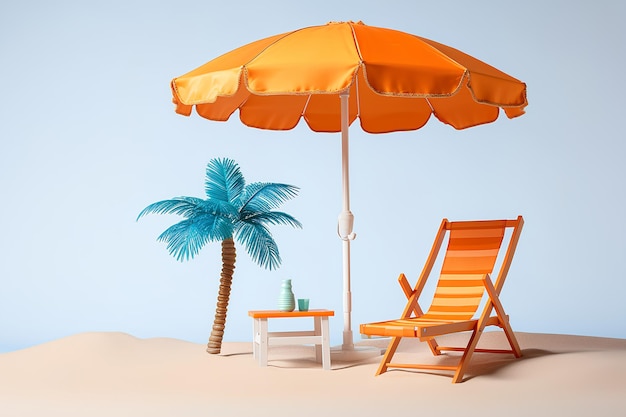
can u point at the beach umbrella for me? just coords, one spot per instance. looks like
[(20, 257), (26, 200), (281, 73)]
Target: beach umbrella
[(332, 74)]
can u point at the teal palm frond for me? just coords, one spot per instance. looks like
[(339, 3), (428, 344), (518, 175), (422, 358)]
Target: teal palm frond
[(182, 206), (263, 196), (224, 180), (259, 244), (185, 238), (190, 207), (219, 208), (271, 217)]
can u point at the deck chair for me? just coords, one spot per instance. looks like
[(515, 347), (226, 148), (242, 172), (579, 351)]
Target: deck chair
[(472, 251)]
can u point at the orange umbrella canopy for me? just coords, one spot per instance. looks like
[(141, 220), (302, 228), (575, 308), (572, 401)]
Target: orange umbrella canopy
[(395, 81)]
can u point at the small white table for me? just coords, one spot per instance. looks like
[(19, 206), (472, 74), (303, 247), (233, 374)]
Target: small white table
[(319, 336)]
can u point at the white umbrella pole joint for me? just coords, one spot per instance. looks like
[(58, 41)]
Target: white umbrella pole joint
[(344, 227)]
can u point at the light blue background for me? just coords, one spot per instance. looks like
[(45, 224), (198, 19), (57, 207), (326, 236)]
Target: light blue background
[(89, 137)]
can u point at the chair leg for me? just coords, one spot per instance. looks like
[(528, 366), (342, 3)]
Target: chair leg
[(467, 354), (434, 347), (504, 321), (391, 349), (508, 331)]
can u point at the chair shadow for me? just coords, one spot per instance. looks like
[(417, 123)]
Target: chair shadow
[(489, 365), (481, 364)]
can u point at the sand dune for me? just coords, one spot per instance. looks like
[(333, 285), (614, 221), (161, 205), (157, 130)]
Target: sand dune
[(116, 374)]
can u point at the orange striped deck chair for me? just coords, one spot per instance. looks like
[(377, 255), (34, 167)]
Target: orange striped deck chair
[(472, 251)]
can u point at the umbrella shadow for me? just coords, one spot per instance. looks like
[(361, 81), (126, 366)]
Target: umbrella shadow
[(303, 357)]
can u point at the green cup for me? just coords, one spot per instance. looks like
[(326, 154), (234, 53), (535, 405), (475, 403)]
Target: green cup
[(303, 304)]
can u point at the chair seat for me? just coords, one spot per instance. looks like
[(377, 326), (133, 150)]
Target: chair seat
[(421, 328)]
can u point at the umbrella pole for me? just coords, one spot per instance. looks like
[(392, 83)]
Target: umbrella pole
[(348, 351), (346, 221)]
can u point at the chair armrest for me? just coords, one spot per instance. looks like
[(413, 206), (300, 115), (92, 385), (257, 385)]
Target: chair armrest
[(406, 287)]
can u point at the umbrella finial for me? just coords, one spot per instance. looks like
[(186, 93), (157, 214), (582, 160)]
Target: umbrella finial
[(350, 22)]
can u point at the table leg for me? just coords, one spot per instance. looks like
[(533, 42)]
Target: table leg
[(317, 330), (255, 339), (325, 343), (263, 342)]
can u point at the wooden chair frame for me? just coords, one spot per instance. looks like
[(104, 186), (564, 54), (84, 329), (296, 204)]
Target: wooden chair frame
[(427, 331)]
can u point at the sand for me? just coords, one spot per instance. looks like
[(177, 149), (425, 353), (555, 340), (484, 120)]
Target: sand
[(116, 374)]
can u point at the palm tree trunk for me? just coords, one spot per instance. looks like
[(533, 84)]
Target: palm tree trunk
[(226, 278)]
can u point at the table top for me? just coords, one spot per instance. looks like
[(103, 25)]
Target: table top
[(261, 314)]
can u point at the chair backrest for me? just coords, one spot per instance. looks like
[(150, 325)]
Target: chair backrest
[(472, 251)]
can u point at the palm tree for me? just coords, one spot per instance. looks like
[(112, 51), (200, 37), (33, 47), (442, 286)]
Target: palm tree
[(232, 210)]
